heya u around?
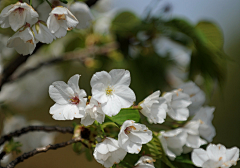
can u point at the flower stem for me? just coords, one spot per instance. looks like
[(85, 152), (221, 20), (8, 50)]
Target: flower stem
[(30, 2), (51, 5)]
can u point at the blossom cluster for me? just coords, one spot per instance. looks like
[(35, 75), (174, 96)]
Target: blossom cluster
[(24, 20), (111, 93)]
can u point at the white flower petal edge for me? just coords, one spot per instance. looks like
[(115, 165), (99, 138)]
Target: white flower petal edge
[(215, 156), (61, 20), (93, 111), (206, 129), (173, 142), (17, 15), (154, 108), (196, 94), (42, 33), (82, 13), (132, 135), (177, 102), (145, 162), (23, 41), (108, 152), (112, 90), (69, 98)]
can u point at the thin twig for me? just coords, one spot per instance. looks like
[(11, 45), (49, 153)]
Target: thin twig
[(35, 128), (80, 55), (41, 150)]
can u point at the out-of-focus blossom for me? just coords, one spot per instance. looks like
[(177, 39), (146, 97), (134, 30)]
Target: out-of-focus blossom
[(196, 94), (132, 135), (145, 162), (42, 33), (206, 129), (177, 102), (112, 90), (69, 99), (108, 152), (103, 5), (83, 14), (193, 138), (154, 108), (215, 156), (103, 23), (23, 41), (93, 112), (61, 20), (17, 15), (173, 142)]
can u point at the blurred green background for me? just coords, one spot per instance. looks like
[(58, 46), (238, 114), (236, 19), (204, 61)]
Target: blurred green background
[(204, 47)]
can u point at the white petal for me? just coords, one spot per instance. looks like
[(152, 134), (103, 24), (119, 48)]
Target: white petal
[(43, 34), (120, 77), (112, 107), (99, 93), (53, 24), (32, 15), (17, 18), (70, 111), (125, 95), (232, 154), (57, 111), (141, 137), (87, 120), (101, 77), (215, 152), (71, 20), (199, 156), (61, 32)]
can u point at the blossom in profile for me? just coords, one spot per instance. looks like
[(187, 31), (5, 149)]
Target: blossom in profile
[(145, 162), (154, 108), (132, 135), (215, 156), (206, 129), (42, 33), (108, 152), (23, 41), (69, 98), (197, 96), (93, 112), (112, 90), (173, 142), (83, 14), (178, 103), (18, 14), (193, 139), (61, 20)]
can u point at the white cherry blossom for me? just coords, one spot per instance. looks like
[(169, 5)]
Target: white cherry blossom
[(145, 162), (108, 152), (196, 94), (61, 20), (23, 41), (112, 90), (206, 129), (173, 142), (93, 112), (42, 33), (154, 108), (193, 136), (69, 99), (177, 102), (17, 15), (132, 135), (83, 14), (215, 156)]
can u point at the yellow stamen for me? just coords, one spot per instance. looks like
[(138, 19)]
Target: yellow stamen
[(109, 91)]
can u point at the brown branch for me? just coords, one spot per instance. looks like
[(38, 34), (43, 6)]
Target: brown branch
[(35, 128), (41, 150)]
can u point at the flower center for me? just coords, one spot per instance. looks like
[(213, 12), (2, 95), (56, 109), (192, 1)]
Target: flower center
[(129, 129), (60, 16), (75, 100), (109, 91), (20, 10)]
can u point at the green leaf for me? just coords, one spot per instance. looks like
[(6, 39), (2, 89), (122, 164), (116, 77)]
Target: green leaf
[(211, 33), (183, 159), (126, 114), (124, 23), (88, 154), (64, 1)]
